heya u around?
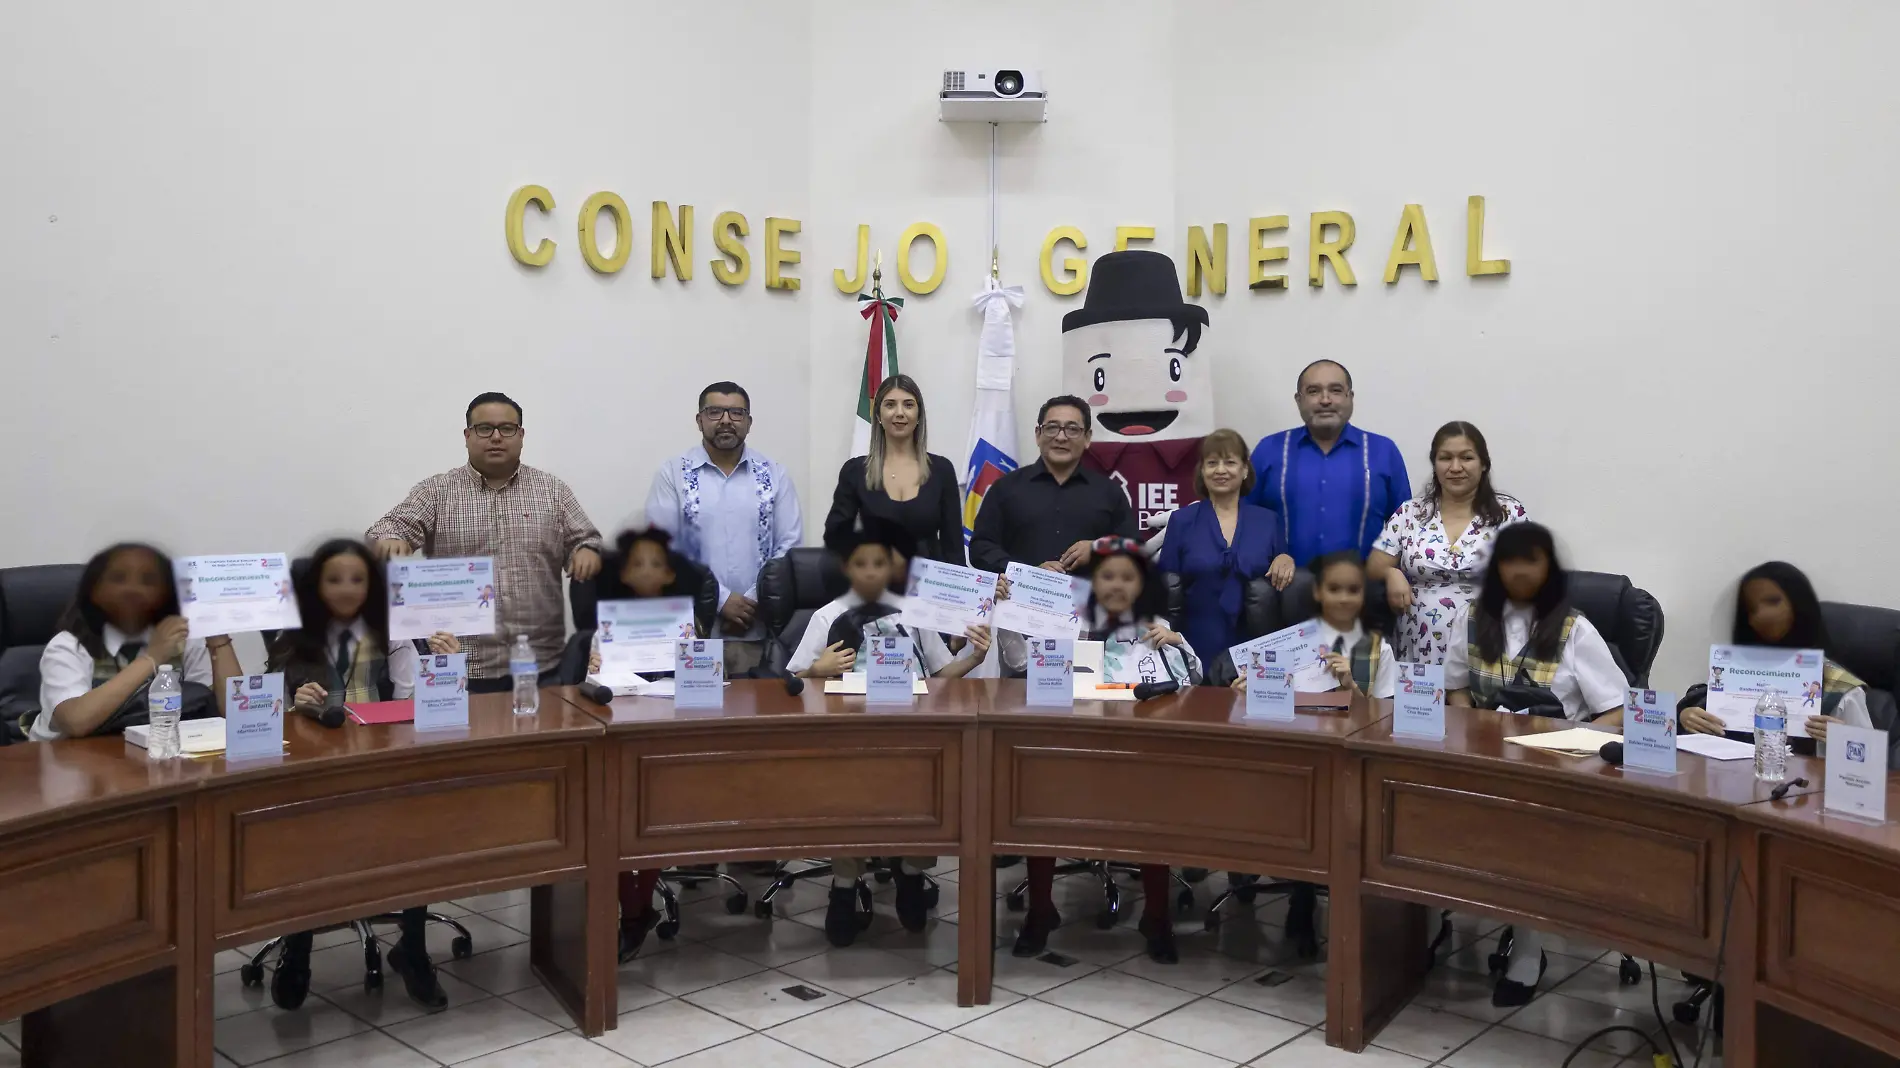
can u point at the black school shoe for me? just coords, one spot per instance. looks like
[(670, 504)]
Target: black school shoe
[(291, 984), (913, 902), (418, 977), (633, 932), (1034, 936), (841, 916), (1508, 994), (1159, 931)]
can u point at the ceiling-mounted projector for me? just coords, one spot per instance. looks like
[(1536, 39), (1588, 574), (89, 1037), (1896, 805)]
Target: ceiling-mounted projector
[(991, 94)]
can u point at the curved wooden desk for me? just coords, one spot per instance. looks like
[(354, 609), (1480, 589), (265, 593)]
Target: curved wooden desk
[(123, 878)]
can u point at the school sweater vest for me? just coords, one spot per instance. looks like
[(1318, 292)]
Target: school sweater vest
[(1489, 677)]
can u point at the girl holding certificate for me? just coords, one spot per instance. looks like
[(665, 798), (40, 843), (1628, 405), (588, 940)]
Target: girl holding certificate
[(123, 623), (1361, 661), (1123, 609), (1521, 645), (341, 656), (1775, 607), (649, 568)]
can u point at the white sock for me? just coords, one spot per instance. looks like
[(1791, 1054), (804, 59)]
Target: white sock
[(1527, 950), (904, 868), (839, 880)]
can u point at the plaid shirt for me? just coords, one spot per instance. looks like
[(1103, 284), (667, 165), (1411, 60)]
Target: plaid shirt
[(530, 527)]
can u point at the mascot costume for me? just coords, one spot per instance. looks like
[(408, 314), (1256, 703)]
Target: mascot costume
[(1131, 351)]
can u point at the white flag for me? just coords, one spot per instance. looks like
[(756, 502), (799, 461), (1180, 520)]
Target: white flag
[(993, 418)]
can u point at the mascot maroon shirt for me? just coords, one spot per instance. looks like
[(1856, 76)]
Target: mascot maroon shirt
[(1131, 352)]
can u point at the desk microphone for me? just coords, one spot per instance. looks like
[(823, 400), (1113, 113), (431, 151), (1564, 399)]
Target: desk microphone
[(330, 717), (1156, 689), (1781, 791), (794, 685), (595, 692), (1612, 753)]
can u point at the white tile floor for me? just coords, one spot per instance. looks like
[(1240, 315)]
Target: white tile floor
[(737, 991)]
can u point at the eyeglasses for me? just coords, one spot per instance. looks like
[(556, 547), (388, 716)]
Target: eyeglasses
[(1062, 430), (489, 430), (715, 414)]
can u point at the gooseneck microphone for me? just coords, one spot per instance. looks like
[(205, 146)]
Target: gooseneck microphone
[(1144, 691), (1612, 753)]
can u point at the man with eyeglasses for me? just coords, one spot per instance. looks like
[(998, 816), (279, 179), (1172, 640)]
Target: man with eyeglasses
[(729, 509), (1333, 484), (527, 520), (1047, 514)]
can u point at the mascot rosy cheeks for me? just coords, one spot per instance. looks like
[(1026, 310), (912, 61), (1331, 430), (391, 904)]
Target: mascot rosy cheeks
[(1130, 352)]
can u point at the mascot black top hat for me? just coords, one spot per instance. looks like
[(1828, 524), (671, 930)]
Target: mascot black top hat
[(1132, 351)]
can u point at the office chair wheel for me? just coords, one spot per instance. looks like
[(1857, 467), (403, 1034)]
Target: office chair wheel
[(1194, 875), (1111, 906), (932, 895), (252, 974), (1686, 1012), (666, 929), (462, 948), (1184, 901), (762, 909), (1629, 972), (736, 903), (1016, 900)]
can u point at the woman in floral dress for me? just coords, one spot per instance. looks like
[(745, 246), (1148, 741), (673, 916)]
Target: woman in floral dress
[(1429, 573)]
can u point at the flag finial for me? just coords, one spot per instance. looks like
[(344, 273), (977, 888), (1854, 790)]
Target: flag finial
[(994, 263)]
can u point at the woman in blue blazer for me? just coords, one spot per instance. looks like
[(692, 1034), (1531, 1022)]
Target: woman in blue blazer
[(1218, 544)]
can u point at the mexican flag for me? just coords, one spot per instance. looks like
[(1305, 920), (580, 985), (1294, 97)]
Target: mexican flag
[(880, 360)]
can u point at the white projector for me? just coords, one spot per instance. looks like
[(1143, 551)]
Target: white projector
[(991, 94)]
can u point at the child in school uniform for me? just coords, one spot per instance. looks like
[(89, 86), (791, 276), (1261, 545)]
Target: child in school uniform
[(648, 568), (832, 645), (1361, 662), (1775, 605), (342, 655), (1124, 614), (123, 623), (1525, 646)]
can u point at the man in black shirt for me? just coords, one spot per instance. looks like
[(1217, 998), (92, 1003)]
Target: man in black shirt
[(1046, 514)]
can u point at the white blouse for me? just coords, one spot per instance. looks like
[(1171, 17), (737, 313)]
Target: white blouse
[(1588, 682)]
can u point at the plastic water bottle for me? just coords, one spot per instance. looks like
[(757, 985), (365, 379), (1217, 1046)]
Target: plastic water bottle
[(1771, 738), (527, 673), (164, 705)]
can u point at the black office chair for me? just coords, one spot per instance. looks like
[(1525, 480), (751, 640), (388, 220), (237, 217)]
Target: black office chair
[(584, 604), (791, 588), (31, 600), (461, 947), (1864, 639), (1631, 623)]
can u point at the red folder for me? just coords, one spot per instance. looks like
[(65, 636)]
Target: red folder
[(383, 712)]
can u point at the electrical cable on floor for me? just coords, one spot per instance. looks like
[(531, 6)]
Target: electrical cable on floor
[(1721, 951), (1655, 1002), (1584, 1046)]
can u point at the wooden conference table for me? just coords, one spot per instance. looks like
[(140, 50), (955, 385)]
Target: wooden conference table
[(124, 878)]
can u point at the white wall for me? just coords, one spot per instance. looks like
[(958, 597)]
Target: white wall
[(1687, 352)]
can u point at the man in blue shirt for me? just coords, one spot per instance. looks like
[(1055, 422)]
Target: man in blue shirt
[(1333, 484), (729, 509)]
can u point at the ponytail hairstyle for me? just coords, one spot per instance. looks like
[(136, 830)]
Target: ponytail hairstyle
[(1523, 541)]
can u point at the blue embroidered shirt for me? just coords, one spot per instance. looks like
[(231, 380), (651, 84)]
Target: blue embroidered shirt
[(1328, 501), (731, 524)]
